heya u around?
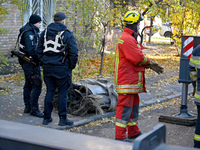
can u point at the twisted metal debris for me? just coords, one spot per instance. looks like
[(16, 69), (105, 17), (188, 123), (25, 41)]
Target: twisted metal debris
[(90, 96)]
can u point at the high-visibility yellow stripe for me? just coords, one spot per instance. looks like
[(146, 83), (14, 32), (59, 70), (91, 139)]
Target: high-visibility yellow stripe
[(116, 65), (120, 41), (140, 77), (197, 94), (144, 61), (129, 90), (197, 62), (194, 63), (197, 137), (132, 123), (120, 125), (132, 88), (125, 125), (129, 86), (193, 77)]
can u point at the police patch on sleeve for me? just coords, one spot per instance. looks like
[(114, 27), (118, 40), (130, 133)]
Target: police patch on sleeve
[(31, 37)]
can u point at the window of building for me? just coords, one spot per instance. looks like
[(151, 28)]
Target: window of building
[(43, 8)]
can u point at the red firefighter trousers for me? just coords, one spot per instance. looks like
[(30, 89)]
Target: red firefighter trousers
[(127, 116)]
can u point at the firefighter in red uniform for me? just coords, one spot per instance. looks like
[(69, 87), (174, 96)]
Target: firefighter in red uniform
[(130, 64)]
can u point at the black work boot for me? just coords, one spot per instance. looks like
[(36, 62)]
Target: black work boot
[(36, 112), (134, 137), (27, 109), (65, 121), (46, 121)]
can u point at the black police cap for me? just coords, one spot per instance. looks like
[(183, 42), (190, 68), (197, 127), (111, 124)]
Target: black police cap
[(59, 16)]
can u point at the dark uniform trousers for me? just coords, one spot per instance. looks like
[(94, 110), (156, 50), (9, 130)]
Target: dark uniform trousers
[(32, 86), (52, 82)]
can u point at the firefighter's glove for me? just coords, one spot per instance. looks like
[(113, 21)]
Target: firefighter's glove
[(155, 67)]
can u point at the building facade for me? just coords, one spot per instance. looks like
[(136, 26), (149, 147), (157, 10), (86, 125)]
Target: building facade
[(15, 20)]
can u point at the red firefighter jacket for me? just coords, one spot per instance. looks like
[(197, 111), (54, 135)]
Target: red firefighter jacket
[(130, 65)]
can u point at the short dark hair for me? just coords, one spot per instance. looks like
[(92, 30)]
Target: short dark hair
[(60, 21)]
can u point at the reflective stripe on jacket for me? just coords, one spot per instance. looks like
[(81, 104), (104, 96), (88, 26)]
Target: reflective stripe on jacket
[(53, 44), (28, 39), (197, 137), (130, 65)]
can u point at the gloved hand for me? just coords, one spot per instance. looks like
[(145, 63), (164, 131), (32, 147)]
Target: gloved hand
[(155, 67)]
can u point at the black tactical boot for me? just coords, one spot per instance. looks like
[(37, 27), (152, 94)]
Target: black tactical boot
[(36, 112), (46, 121), (65, 121), (27, 109)]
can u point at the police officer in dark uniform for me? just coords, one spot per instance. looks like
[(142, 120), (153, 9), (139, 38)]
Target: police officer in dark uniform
[(57, 42), (28, 39)]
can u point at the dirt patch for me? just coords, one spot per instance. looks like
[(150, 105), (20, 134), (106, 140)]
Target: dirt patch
[(12, 67)]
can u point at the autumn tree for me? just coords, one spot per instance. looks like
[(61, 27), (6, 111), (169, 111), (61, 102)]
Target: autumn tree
[(90, 18), (185, 19), (182, 14)]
